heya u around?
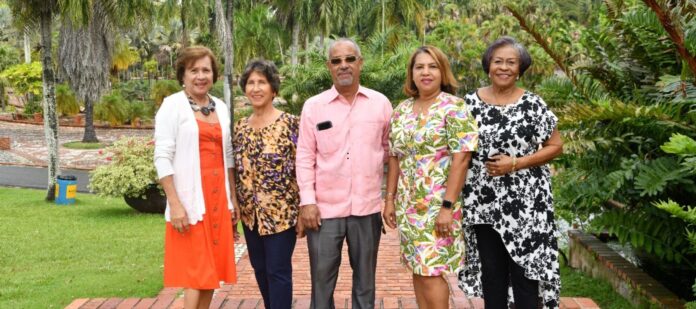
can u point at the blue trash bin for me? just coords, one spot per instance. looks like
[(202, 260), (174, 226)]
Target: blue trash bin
[(66, 188)]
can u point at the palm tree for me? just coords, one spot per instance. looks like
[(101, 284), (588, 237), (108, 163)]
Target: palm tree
[(84, 56), (32, 14), (290, 15), (86, 67), (256, 34), (191, 14)]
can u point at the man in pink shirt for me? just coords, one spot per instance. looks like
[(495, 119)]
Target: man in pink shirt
[(341, 150)]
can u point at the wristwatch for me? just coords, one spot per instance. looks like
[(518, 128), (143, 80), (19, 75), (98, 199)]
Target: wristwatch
[(446, 204)]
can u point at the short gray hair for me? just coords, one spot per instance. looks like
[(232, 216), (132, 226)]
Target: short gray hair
[(343, 40), (525, 58)]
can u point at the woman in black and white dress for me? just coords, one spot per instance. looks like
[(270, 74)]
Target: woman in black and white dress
[(508, 213)]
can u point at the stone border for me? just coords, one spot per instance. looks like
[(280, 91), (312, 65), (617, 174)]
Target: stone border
[(595, 258), (82, 125)]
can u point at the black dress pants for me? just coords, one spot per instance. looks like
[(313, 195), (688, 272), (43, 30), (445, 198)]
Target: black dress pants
[(498, 270)]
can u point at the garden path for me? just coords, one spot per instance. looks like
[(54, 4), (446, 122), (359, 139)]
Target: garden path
[(394, 287), (28, 145)]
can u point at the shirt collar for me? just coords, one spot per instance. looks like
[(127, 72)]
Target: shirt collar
[(333, 93)]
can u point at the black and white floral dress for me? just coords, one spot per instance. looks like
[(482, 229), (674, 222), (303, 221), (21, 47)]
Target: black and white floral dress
[(518, 205)]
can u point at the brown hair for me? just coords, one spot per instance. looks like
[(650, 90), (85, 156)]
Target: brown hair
[(449, 84), (189, 55)]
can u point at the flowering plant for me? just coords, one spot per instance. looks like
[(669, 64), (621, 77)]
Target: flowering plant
[(130, 171)]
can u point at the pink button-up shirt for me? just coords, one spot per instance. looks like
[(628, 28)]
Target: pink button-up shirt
[(340, 168)]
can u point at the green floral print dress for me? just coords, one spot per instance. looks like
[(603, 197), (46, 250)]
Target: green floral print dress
[(424, 145)]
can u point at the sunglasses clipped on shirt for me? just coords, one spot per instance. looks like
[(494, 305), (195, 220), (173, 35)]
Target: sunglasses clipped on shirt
[(348, 59)]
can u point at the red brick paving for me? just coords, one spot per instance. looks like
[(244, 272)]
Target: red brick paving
[(394, 287)]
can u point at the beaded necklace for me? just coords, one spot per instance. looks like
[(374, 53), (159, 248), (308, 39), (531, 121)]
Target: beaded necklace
[(206, 110)]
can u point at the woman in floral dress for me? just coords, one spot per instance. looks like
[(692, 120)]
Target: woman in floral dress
[(509, 219), (431, 140)]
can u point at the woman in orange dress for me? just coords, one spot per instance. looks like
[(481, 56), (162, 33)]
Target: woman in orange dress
[(193, 156)]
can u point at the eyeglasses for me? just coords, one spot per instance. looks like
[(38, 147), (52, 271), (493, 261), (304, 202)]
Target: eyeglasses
[(348, 59)]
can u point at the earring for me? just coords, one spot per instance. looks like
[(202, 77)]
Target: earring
[(518, 77)]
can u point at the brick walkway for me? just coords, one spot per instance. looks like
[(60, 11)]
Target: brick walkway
[(28, 145), (394, 288)]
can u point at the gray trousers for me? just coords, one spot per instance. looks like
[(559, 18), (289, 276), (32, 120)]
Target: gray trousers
[(362, 235)]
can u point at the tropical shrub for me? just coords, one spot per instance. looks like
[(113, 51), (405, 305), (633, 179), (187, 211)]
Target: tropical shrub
[(8, 56), (162, 89), (626, 90), (66, 103), (112, 108), (138, 111), (134, 90), (130, 170), (25, 79)]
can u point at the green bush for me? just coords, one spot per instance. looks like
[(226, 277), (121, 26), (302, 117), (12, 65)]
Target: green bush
[(66, 102), (162, 89), (130, 171), (112, 108), (139, 110), (33, 107), (134, 90)]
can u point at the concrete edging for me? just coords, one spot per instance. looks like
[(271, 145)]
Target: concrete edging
[(595, 258)]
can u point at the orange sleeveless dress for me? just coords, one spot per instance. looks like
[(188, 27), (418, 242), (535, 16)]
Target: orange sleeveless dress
[(204, 255)]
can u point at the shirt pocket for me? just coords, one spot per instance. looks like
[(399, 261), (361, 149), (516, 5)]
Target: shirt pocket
[(370, 134), (328, 141)]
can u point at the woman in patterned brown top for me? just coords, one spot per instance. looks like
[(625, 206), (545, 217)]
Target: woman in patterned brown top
[(266, 188)]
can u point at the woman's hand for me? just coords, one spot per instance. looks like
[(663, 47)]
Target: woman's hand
[(233, 215), (443, 222), (178, 217), (389, 213), (299, 229), (499, 165)]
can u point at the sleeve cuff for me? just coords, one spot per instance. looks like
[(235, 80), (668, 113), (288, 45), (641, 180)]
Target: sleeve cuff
[(164, 168), (308, 198)]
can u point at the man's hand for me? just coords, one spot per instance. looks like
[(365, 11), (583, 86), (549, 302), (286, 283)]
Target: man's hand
[(310, 218), (389, 214)]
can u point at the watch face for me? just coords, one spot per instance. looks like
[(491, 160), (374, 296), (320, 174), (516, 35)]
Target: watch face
[(447, 204)]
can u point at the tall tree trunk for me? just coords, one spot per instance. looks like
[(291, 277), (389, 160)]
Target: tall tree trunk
[(212, 20), (225, 29), (184, 31), (306, 47), (90, 135), (27, 48), (295, 43), (280, 48), (49, 102)]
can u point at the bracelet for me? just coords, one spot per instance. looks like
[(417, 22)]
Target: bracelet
[(390, 196), (514, 163)]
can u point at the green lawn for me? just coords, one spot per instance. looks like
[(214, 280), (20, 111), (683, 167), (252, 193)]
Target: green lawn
[(81, 145), (578, 284), (99, 247)]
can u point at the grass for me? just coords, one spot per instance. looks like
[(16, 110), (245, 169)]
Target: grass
[(99, 247), (81, 145), (575, 283)]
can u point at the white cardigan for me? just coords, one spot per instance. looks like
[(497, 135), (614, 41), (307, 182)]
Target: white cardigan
[(177, 153)]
